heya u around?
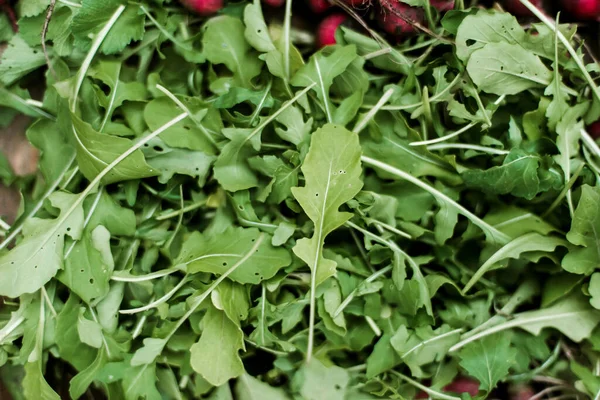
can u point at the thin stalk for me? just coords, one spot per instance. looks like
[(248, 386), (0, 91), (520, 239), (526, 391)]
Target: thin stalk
[(96, 43), (443, 138), (10, 328), (498, 236), (162, 30), (86, 221), (590, 143), (550, 24), (475, 147), (388, 228), (48, 302), (4, 225), (181, 211), (95, 317), (259, 107), (158, 301), (564, 191), (360, 125), (433, 393), (179, 221), (143, 278), (287, 23), (377, 53), (376, 330)]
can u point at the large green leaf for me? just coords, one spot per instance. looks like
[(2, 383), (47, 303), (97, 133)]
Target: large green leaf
[(215, 356), (332, 173), (216, 254), (39, 256)]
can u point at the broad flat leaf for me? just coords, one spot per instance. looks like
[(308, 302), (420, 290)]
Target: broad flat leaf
[(90, 332), (321, 70), (218, 253), (146, 354), (224, 43), (237, 95), (69, 345), (89, 265), (488, 360), (530, 242), (170, 161), (594, 290), (504, 69), (560, 100), (34, 384), (141, 382), (32, 7), (257, 32), (95, 151), (573, 316), (315, 381), (423, 345), (520, 175), (332, 177), (250, 388), (215, 356), (93, 16), (383, 357), (185, 134), (80, 382), (297, 131), (39, 256), (18, 60), (108, 72), (585, 231), (232, 298), (231, 168), (486, 26)]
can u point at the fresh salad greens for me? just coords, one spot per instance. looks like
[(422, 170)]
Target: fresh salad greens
[(223, 212)]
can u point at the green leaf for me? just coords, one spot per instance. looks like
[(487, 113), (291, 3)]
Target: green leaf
[(146, 354), (585, 232), (224, 43), (383, 357), (34, 384), (488, 360), (296, 131), (321, 70), (215, 356), (257, 32), (486, 26), (332, 177), (69, 345), (18, 60), (39, 256), (90, 332), (530, 242), (94, 14), (80, 382), (95, 151), (423, 345), (231, 168), (169, 161), (505, 69), (250, 388), (521, 174), (315, 381), (140, 382), (217, 254), (32, 7), (232, 298), (89, 265)]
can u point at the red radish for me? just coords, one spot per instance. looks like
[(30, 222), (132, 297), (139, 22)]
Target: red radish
[(583, 9), (395, 18), (203, 7), (319, 6), (521, 392), (594, 130), (327, 28), (517, 8), (274, 3), (442, 5), (463, 385)]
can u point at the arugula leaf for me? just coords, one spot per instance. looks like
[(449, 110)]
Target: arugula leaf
[(584, 232), (215, 355), (224, 43), (18, 60), (217, 253), (314, 380), (250, 388), (488, 360), (39, 256)]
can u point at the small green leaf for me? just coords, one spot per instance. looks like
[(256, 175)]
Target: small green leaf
[(488, 360), (215, 356)]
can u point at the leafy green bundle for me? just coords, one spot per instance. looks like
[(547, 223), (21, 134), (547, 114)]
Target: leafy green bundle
[(215, 207)]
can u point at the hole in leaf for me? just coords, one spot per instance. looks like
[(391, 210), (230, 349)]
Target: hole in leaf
[(224, 264), (470, 42), (92, 280), (157, 148)]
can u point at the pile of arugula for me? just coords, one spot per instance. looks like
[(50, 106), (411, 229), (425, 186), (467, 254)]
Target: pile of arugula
[(221, 213)]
